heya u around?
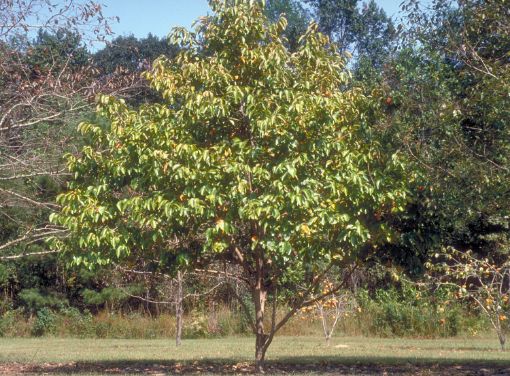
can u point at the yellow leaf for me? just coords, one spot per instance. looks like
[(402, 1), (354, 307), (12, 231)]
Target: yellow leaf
[(305, 229)]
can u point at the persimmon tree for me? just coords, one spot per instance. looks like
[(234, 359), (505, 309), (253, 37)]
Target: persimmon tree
[(255, 156), (481, 280), (332, 307)]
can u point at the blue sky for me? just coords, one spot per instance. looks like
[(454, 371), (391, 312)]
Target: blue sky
[(156, 16), (159, 16)]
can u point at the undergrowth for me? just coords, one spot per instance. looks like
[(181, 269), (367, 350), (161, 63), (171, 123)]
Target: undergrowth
[(384, 313)]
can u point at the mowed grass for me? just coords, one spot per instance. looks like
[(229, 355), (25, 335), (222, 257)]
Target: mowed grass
[(295, 350)]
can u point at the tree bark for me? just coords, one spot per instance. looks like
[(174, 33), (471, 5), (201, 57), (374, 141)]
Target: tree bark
[(259, 300), (328, 340), (178, 310), (502, 339), (261, 337), (260, 353)]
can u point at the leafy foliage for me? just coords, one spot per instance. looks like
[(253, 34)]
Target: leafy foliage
[(295, 14), (52, 51), (453, 127), (374, 37), (131, 54), (228, 147), (336, 19)]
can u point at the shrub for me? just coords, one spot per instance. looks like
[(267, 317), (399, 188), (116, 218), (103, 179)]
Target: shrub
[(196, 326), (410, 311), (6, 321), (230, 322), (14, 324), (74, 323), (45, 323)]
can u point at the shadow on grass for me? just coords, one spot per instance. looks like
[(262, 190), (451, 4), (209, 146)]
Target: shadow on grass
[(337, 365)]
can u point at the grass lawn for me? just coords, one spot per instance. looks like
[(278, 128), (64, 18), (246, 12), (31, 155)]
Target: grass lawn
[(298, 355)]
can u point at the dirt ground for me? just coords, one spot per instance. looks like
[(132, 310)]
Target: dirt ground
[(82, 368)]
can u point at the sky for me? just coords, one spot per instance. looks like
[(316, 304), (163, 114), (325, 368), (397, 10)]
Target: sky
[(159, 16), (153, 16)]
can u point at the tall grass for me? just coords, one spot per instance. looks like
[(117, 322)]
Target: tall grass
[(388, 313)]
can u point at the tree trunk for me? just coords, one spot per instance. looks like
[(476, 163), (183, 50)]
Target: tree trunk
[(502, 339), (178, 310), (260, 335), (328, 339), (260, 354), (259, 299)]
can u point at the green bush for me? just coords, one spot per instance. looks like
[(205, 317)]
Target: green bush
[(13, 323), (231, 322), (102, 329), (5, 274), (196, 326), (45, 323), (6, 322), (410, 312), (74, 323)]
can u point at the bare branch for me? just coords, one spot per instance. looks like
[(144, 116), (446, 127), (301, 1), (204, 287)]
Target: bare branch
[(47, 205), (29, 254)]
